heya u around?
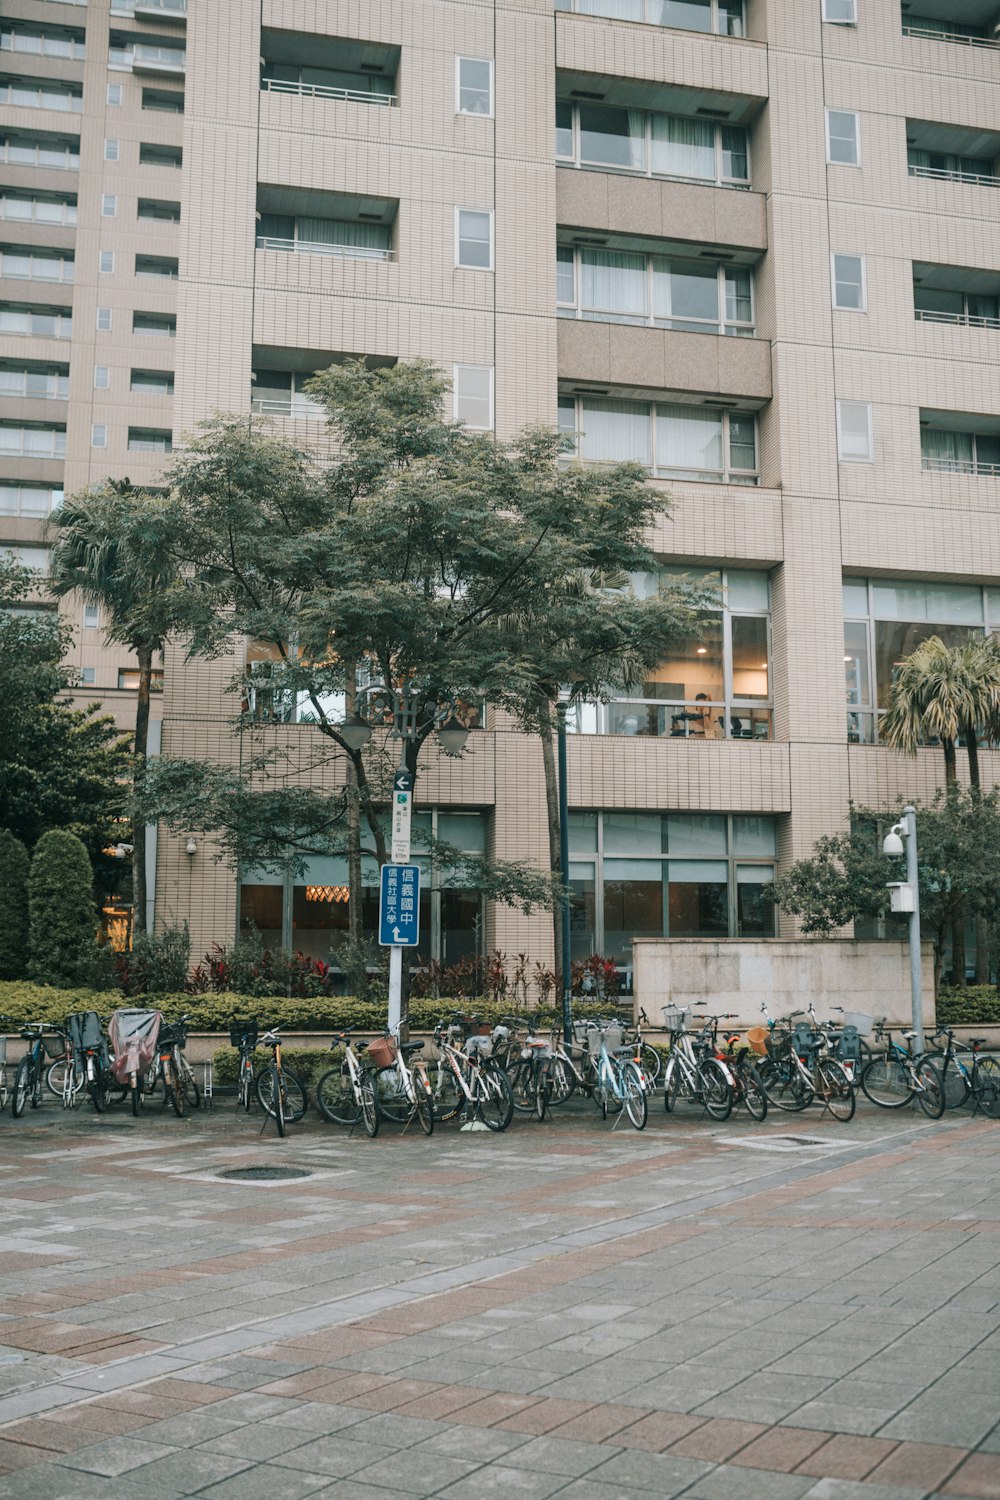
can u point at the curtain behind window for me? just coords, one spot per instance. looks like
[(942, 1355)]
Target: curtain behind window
[(613, 281), (682, 147), (614, 431), (687, 438)]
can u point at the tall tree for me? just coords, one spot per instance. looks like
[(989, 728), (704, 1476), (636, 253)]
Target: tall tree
[(62, 920), (110, 548), (951, 694)]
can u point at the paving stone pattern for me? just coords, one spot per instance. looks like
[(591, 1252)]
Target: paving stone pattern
[(719, 1312)]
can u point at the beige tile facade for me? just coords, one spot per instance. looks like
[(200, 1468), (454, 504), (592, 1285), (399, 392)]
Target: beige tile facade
[(811, 518)]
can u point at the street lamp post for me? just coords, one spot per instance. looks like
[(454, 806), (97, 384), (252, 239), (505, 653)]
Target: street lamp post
[(567, 963), (906, 898)]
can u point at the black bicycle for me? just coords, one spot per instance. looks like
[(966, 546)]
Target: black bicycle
[(243, 1036), (31, 1069)]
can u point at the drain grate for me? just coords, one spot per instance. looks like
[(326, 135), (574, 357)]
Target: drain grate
[(263, 1174)]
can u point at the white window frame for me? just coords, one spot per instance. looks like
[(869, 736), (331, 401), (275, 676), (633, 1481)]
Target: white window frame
[(102, 377), (106, 262), (464, 265), (111, 148), (115, 95), (88, 676), (103, 322), (851, 458), (856, 116), (109, 206), (841, 20), (456, 395), (98, 435), (474, 114), (91, 617), (848, 255)]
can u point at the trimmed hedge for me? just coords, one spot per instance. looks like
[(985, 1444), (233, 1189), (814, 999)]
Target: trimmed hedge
[(23, 1001), (975, 1006), (307, 1062)]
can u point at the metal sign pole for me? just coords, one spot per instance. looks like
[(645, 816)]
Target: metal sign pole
[(402, 810), (916, 977)]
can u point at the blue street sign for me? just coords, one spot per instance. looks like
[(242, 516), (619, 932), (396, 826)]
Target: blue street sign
[(399, 906)]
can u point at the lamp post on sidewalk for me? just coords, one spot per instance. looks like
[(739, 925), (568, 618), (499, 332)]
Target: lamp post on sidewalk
[(905, 897)]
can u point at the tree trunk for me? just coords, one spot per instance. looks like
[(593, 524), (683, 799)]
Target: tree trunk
[(972, 745), (958, 911), (950, 762), (559, 914), (145, 656)]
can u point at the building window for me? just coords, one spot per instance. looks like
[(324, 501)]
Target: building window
[(167, 101), (715, 685), (40, 151), (35, 558), (35, 320), (152, 382), (854, 432), (88, 676), (35, 501), (473, 239), (109, 206), (849, 282), (626, 286), (885, 619), (128, 51), (472, 396), (150, 440), (304, 235), (309, 912), (40, 93), (281, 393), (91, 617), (943, 304), (662, 874), (162, 325), (672, 441), (157, 265), (373, 86), (952, 166), (98, 435), (474, 86), (102, 377), (104, 319), (160, 156), (158, 208), (32, 441), (107, 261), (36, 382), (110, 150), (27, 264), (36, 207), (656, 145), (947, 451), (842, 12), (128, 680), (843, 137), (723, 17), (41, 41), (114, 94)]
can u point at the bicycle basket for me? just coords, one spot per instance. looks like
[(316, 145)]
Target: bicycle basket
[(757, 1039), (613, 1033), (243, 1033), (857, 1018), (55, 1046), (673, 1017), (382, 1051)]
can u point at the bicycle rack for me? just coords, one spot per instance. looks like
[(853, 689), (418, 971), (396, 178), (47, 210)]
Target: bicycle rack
[(206, 1086)]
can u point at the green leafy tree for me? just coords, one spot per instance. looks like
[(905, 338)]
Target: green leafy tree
[(109, 546), (62, 919), (60, 767), (846, 877), (13, 906), (427, 559)]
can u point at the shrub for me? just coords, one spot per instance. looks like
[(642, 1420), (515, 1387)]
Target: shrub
[(13, 906), (157, 964), (62, 919), (307, 1062), (977, 1005)]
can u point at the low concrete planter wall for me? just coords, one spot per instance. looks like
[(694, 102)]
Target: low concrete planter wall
[(739, 976)]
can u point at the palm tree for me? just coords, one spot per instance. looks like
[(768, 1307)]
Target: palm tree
[(948, 693), (109, 546)]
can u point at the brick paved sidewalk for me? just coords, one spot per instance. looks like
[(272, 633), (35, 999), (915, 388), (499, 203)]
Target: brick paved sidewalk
[(720, 1312)]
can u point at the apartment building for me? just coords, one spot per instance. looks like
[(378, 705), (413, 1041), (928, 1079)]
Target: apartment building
[(751, 243)]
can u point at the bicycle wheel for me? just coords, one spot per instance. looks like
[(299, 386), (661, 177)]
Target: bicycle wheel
[(562, 1079), (294, 1100), (636, 1105), (191, 1091), (716, 1094), (246, 1090), (522, 1087), (754, 1093), (393, 1100), (835, 1089), (988, 1087), (650, 1061), (671, 1086), (784, 1085), (887, 1083), (423, 1101), (494, 1101), (955, 1085), (136, 1093), (369, 1104), (22, 1080), (543, 1090), (930, 1096), (335, 1097), (172, 1084), (449, 1098), (56, 1080)]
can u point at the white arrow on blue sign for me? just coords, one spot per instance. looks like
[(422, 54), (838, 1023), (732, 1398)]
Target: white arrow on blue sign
[(399, 906)]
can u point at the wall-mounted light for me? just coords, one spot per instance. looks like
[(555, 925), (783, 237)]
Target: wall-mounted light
[(191, 847)]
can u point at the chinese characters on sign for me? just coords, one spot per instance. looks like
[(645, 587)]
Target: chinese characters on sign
[(399, 906)]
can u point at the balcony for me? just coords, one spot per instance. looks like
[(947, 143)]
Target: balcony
[(953, 153), (716, 17), (972, 23), (660, 359), (146, 55), (333, 225), (159, 10), (954, 442), (321, 247), (324, 67), (961, 296)]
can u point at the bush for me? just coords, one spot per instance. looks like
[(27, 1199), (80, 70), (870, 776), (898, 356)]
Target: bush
[(23, 1001), (62, 919), (157, 964), (307, 1062), (977, 1005), (13, 906)]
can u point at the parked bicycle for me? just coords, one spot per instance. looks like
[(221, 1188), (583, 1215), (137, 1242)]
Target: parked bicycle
[(90, 1067), (691, 1073), (134, 1036), (619, 1079), (280, 1092), (243, 1036), (31, 1069), (467, 1080), (347, 1093), (959, 1083), (531, 1076), (738, 1058), (900, 1076), (402, 1086)]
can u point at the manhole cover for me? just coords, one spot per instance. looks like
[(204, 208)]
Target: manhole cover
[(263, 1174)]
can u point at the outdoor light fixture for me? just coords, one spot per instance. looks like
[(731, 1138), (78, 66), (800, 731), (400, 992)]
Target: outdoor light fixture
[(405, 714), (191, 847), (355, 732), (452, 735), (892, 844)]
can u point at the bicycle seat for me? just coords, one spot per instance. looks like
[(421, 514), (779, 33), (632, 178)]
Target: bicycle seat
[(407, 1047), (977, 1041)]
